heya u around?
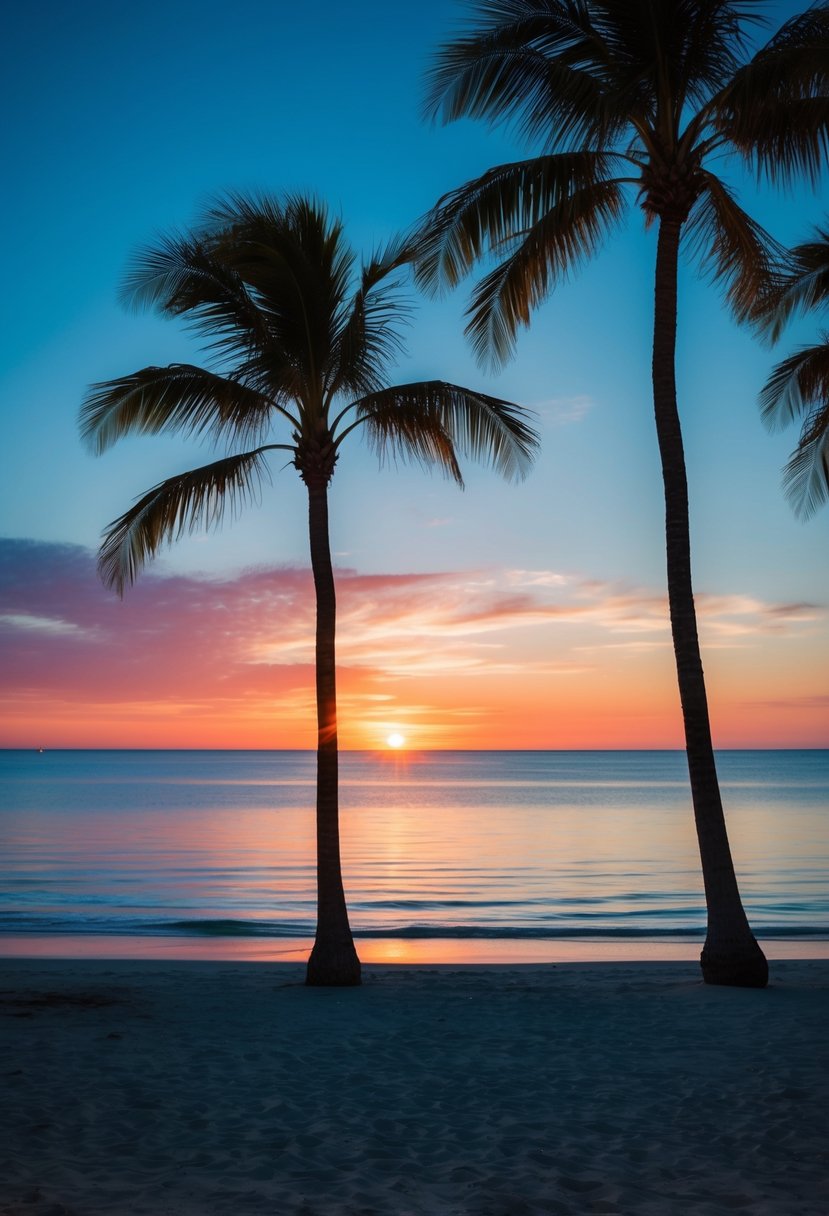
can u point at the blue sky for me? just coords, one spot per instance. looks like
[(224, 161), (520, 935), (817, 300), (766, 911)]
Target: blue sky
[(121, 121)]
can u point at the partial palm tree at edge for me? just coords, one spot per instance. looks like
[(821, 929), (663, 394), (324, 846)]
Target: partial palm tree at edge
[(642, 96), (798, 387), (304, 341)]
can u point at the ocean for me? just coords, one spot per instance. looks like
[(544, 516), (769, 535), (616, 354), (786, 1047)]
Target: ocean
[(437, 845)]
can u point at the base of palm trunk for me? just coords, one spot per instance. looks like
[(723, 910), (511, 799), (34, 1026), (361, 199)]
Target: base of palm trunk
[(333, 965), (744, 966)]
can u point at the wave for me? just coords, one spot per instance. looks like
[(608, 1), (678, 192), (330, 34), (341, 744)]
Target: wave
[(229, 927)]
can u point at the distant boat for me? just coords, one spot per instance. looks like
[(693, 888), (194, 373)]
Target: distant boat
[(40, 751)]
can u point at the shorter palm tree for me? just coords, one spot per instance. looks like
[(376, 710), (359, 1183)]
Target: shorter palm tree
[(304, 342), (798, 387)]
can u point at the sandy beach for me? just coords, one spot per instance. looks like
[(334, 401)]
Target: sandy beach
[(193, 1089)]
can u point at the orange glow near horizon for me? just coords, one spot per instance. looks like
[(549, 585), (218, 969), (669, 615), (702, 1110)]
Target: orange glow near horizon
[(379, 951), (606, 709), (497, 659)]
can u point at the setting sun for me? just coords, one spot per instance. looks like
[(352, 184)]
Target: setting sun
[(395, 740)]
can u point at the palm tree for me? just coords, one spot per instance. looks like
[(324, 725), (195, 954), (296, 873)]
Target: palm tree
[(641, 97), (799, 385), (302, 341)]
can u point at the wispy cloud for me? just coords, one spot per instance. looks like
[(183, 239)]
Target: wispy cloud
[(730, 619), (803, 704), (564, 411), (27, 621)]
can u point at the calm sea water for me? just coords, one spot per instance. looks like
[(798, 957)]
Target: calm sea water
[(446, 844)]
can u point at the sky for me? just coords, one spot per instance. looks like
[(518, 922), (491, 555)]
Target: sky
[(515, 616)]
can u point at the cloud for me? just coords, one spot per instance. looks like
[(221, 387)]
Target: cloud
[(564, 411), (808, 703), (737, 620), (39, 624), (242, 647), (403, 623), (538, 578)]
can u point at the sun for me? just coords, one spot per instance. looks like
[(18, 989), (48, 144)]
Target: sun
[(395, 740)]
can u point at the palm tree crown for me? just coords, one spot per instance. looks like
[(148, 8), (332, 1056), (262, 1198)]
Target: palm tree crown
[(642, 96), (301, 341), (639, 94)]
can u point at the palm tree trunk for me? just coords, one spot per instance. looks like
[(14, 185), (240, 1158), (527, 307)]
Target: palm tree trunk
[(731, 954), (333, 960)]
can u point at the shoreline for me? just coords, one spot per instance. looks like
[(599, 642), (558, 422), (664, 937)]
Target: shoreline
[(384, 950), (170, 1088)]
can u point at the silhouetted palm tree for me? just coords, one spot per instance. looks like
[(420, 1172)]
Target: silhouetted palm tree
[(799, 385), (645, 96), (304, 342)]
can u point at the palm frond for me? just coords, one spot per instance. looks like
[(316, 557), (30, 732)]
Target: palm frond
[(793, 59), (785, 139), (803, 286), (702, 45), (775, 111), (733, 249), (499, 207), (433, 421), (658, 59), (806, 476), (796, 385), (297, 266), (568, 234), (201, 497), (185, 276), (575, 73), (538, 65), (180, 397), (368, 338)]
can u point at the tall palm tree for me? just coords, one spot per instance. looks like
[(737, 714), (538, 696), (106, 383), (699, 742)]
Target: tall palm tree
[(799, 386), (301, 341), (641, 99)]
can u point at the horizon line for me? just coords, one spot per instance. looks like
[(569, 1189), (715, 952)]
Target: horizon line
[(388, 751)]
